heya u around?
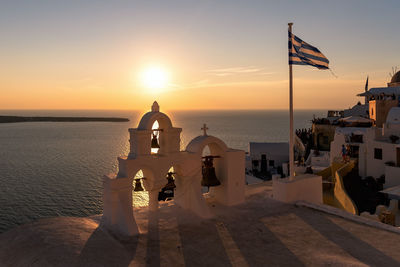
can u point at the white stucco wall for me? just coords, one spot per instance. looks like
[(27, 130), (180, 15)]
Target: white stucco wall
[(376, 167), (278, 152), (336, 147), (306, 187), (392, 176)]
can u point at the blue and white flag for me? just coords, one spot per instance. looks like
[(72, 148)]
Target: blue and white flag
[(301, 53)]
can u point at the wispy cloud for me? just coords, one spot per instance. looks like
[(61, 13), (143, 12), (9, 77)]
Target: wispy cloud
[(209, 84), (266, 73), (211, 78), (237, 70)]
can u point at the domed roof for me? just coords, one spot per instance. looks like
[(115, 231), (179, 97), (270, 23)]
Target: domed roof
[(146, 123), (396, 78), (393, 116)]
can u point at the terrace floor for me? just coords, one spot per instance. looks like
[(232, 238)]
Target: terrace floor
[(260, 232)]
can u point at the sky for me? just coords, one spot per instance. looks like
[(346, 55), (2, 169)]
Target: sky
[(224, 54)]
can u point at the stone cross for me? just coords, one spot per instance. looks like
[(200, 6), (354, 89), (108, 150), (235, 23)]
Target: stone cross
[(205, 128)]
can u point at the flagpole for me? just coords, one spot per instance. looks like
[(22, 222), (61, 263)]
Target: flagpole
[(291, 140)]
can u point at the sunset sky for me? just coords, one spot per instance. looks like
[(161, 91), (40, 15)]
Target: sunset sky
[(215, 54)]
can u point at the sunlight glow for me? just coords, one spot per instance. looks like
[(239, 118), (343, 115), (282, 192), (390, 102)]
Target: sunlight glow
[(154, 78)]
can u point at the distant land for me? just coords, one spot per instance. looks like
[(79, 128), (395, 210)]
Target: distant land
[(12, 119)]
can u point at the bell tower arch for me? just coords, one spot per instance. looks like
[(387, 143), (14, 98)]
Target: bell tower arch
[(229, 168), (141, 137), (184, 180)]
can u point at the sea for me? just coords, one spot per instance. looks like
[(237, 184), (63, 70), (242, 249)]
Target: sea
[(50, 169)]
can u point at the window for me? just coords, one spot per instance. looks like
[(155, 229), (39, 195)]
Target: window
[(378, 153), (354, 151), (325, 140), (271, 163), (356, 138)]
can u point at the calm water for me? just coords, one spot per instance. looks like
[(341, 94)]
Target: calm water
[(55, 168)]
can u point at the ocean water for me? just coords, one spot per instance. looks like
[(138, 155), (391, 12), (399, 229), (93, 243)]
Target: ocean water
[(52, 169)]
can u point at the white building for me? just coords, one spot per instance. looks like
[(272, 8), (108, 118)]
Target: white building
[(357, 110), (267, 156), (377, 148)]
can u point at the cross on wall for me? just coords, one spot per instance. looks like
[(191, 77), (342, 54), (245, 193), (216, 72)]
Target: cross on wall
[(205, 128)]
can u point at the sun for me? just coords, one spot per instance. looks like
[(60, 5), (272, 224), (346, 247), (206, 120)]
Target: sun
[(154, 78)]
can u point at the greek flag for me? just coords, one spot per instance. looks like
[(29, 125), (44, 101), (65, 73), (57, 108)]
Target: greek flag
[(301, 53)]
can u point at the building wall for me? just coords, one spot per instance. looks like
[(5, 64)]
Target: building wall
[(322, 132), (279, 153), (376, 167), (306, 187), (391, 129), (379, 109), (392, 176), (336, 147)]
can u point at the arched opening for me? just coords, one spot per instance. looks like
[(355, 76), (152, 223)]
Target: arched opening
[(168, 191), (140, 196), (206, 151), (155, 138), (212, 167)]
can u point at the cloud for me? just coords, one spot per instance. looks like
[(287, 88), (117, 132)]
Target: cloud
[(266, 73), (237, 70), (209, 84), (212, 81)]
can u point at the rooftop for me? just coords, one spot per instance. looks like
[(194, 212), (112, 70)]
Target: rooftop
[(381, 90), (396, 78), (257, 233)]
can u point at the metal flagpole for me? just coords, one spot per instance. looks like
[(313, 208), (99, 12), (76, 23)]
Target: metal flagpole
[(291, 140)]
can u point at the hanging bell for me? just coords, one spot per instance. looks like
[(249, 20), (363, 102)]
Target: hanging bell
[(170, 184), (208, 171), (165, 195), (138, 186), (154, 142)]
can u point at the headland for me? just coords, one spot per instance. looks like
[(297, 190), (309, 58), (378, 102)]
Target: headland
[(14, 119)]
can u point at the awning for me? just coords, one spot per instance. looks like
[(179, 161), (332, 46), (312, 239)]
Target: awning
[(353, 119), (365, 94), (381, 90)]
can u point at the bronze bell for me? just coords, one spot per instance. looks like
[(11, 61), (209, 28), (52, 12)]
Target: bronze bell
[(167, 192), (208, 171), (138, 185), (170, 184), (154, 142)]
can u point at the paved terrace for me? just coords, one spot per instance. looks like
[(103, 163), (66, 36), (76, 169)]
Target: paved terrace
[(261, 232)]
